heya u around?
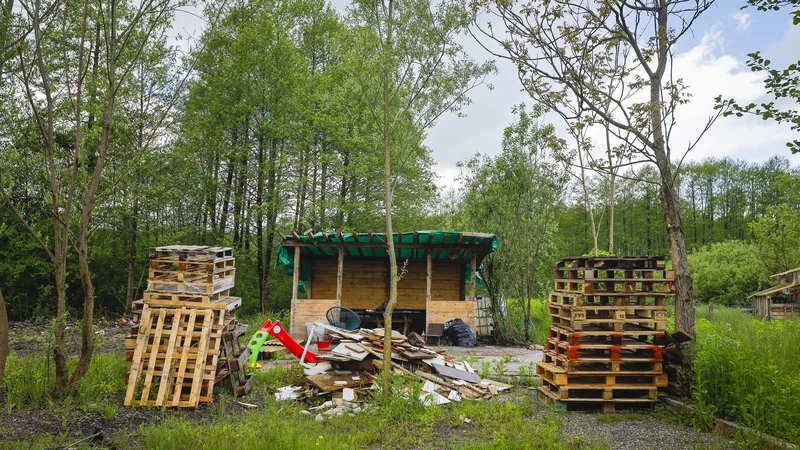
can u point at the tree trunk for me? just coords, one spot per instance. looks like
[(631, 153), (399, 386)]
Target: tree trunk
[(387, 172), (262, 284), (3, 340), (272, 217), (611, 188), (684, 295), (131, 291)]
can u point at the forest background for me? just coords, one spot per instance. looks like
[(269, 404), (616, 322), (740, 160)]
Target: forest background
[(268, 125)]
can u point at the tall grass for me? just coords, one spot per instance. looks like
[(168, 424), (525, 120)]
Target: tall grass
[(29, 381), (748, 370)]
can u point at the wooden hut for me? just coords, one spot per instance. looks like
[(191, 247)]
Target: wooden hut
[(787, 297), (352, 270)]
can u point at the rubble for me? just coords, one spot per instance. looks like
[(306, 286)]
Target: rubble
[(347, 369)]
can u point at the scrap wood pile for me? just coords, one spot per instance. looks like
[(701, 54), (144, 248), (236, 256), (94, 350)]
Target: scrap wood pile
[(354, 356), (605, 348), (187, 339)]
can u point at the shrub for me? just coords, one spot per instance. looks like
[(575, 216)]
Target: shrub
[(727, 272)]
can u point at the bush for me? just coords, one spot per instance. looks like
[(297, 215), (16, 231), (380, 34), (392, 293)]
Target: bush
[(727, 272)]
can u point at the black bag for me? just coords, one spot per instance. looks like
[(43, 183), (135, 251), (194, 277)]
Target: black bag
[(460, 334)]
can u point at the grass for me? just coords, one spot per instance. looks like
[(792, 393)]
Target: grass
[(747, 370), (30, 380), (389, 423)]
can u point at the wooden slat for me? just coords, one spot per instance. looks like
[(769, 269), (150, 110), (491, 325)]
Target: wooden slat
[(173, 335), (141, 342), (152, 362), (187, 344)]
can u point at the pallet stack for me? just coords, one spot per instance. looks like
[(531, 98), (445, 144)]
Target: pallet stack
[(604, 350), (187, 339)]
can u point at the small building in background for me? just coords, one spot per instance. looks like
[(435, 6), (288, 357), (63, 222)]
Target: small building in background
[(352, 270), (779, 301)]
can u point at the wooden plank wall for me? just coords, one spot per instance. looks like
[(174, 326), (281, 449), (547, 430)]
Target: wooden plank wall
[(364, 282), (443, 312), (304, 310)]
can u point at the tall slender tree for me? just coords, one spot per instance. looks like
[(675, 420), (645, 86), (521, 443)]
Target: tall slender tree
[(564, 50), (422, 72)]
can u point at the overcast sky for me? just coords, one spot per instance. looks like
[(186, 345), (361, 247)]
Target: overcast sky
[(711, 62)]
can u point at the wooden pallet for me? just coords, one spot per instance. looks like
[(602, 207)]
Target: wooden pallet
[(615, 286), (605, 406), (183, 297), (226, 303), (192, 287), (178, 265), (632, 323), (602, 352), (600, 393), (612, 262), (190, 253), (622, 366), (625, 337), (182, 276), (560, 377), (608, 299), (608, 312), (172, 352)]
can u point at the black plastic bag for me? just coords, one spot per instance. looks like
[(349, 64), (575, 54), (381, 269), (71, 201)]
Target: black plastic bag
[(459, 334)]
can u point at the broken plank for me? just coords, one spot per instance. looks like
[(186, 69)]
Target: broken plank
[(456, 373)]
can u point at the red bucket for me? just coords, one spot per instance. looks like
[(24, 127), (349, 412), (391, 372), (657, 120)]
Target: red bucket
[(323, 344)]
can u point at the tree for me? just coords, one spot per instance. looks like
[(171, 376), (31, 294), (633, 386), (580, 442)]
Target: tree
[(780, 83), (565, 54), (419, 71), (72, 79), (516, 194)]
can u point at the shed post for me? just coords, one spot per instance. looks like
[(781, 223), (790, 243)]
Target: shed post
[(296, 274), (339, 272), (428, 282), (474, 271)]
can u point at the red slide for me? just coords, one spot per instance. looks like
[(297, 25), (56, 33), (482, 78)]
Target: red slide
[(277, 330)]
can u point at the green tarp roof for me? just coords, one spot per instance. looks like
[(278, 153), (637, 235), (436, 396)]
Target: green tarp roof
[(444, 245)]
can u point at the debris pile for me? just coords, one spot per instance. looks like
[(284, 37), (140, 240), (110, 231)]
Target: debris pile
[(187, 339), (605, 348), (348, 367)]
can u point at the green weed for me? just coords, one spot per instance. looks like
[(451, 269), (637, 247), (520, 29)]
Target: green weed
[(747, 370)]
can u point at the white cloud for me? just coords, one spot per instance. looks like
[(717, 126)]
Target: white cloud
[(742, 20), (707, 69)]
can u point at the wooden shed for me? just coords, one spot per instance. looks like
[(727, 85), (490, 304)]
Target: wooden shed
[(787, 297), (352, 270)]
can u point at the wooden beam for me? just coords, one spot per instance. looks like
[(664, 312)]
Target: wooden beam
[(473, 278), (296, 274), (339, 272), (428, 282), (382, 245)]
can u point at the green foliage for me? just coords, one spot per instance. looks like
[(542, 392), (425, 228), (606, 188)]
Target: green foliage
[(727, 272), (515, 196), (29, 380), (776, 236), (747, 370)]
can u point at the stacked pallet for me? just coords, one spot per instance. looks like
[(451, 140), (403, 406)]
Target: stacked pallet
[(187, 339), (604, 349)]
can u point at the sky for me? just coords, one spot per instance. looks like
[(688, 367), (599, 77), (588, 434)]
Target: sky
[(711, 60)]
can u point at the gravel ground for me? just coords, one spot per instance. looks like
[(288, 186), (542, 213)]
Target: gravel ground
[(641, 431)]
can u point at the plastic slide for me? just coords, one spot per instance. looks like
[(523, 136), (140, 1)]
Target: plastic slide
[(277, 330)]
